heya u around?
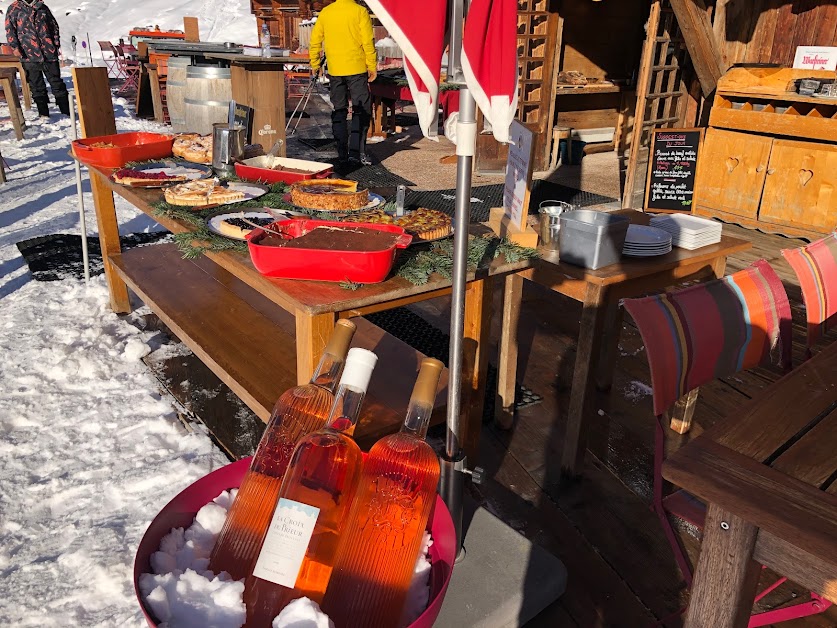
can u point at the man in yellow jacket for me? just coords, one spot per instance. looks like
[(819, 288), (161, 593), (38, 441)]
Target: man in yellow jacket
[(344, 30)]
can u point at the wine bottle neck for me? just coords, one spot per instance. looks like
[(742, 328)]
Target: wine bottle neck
[(418, 419), (328, 371), (346, 409)]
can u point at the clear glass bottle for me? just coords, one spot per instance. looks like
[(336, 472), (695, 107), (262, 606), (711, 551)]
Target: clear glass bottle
[(299, 411), (296, 558), (378, 551), (264, 40)]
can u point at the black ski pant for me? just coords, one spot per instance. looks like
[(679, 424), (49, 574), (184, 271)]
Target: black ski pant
[(341, 89)]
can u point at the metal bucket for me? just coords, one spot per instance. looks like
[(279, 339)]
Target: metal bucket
[(550, 214), (227, 146)]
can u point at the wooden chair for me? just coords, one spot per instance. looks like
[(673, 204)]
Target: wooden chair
[(698, 334), (815, 266), (9, 87)]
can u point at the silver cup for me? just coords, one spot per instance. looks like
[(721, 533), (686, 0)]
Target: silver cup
[(227, 146), (550, 215)]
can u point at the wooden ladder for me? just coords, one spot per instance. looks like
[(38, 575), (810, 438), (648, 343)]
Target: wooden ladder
[(661, 94)]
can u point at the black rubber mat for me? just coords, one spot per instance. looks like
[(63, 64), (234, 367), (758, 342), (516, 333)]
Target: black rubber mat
[(374, 176), (432, 342), (546, 190), (318, 143), (59, 256)]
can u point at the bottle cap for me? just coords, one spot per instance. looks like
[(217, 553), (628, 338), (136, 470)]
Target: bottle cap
[(341, 338), (427, 381), (359, 366)]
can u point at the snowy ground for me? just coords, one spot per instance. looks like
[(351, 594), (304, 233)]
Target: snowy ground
[(95, 20), (89, 449)]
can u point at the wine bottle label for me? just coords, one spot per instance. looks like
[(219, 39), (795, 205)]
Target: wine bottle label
[(286, 542)]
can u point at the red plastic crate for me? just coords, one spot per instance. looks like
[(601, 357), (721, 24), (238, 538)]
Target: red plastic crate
[(132, 146), (319, 264)]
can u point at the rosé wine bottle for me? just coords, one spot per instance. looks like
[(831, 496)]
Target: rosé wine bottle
[(299, 411), (377, 554), (298, 551)]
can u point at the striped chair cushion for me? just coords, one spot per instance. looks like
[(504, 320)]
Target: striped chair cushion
[(713, 330), (816, 267)]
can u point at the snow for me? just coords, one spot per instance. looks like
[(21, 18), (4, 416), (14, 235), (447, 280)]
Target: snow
[(99, 20), (302, 613), (90, 450)]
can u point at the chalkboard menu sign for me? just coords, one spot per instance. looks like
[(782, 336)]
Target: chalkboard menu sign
[(672, 166), (243, 115)]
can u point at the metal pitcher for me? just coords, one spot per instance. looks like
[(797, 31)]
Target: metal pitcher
[(550, 214), (227, 146)]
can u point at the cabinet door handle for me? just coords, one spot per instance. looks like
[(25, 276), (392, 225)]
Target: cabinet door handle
[(771, 170), (732, 163), (759, 168), (805, 176)]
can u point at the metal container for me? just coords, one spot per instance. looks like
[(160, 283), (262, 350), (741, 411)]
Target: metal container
[(550, 214), (227, 146), (592, 239)]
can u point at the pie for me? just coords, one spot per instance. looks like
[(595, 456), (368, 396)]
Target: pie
[(193, 147), (328, 195), (422, 223), (140, 178), (201, 193), (425, 224), (239, 228)]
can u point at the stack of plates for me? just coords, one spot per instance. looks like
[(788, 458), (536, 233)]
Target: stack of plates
[(689, 232), (642, 241)]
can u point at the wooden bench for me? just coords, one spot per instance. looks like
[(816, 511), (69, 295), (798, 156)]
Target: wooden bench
[(248, 341)]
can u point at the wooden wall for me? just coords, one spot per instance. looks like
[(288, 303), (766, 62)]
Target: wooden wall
[(768, 31)]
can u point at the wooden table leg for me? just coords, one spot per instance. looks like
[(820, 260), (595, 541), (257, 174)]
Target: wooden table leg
[(507, 362), (475, 364), (312, 334), (610, 345), (15, 113), (109, 241), (24, 86), (589, 345), (727, 576)]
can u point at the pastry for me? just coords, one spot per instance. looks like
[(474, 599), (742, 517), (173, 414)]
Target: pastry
[(328, 195), (193, 147), (142, 178), (326, 238), (236, 227), (422, 223), (201, 193), (425, 224)]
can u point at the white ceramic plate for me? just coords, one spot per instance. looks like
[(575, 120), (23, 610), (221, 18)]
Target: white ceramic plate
[(192, 172), (214, 223), (634, 253), (642, 235)]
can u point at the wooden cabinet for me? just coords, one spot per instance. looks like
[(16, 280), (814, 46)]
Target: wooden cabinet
[(769, 159), (800, 185), (733, 167)]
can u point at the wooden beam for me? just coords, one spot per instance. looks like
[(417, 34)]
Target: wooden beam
[(700, 41)]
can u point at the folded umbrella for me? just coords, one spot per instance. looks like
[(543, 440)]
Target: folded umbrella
[(419, 30), (489, 61)]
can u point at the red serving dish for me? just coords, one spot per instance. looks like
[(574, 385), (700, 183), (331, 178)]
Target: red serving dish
[(259, 169), (131, 146), (320, 264), (181, 510)]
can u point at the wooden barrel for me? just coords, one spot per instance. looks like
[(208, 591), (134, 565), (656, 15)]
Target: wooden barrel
[(176, 91), (207, 98)]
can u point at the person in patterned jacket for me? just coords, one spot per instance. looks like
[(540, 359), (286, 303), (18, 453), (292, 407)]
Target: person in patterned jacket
[(32, 32)]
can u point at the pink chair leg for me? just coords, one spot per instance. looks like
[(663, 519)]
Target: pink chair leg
[(814, 606)]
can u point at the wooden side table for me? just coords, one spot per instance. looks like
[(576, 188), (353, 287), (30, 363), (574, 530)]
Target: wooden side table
[(11, 61), (7, 83)]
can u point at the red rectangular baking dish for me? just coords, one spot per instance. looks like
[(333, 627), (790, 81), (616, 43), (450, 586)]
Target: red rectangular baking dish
[(259, 169), (131, 146), (320, 264)]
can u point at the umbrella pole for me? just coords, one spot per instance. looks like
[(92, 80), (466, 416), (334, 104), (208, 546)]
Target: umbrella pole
[(453, 462), (81, 216)]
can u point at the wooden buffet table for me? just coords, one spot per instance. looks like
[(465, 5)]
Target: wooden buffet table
[(601, 321), (263, 335), (12, 61), (769, 475)]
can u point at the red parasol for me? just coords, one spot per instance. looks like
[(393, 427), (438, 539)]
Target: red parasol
[(489, 61), (418, 27)]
